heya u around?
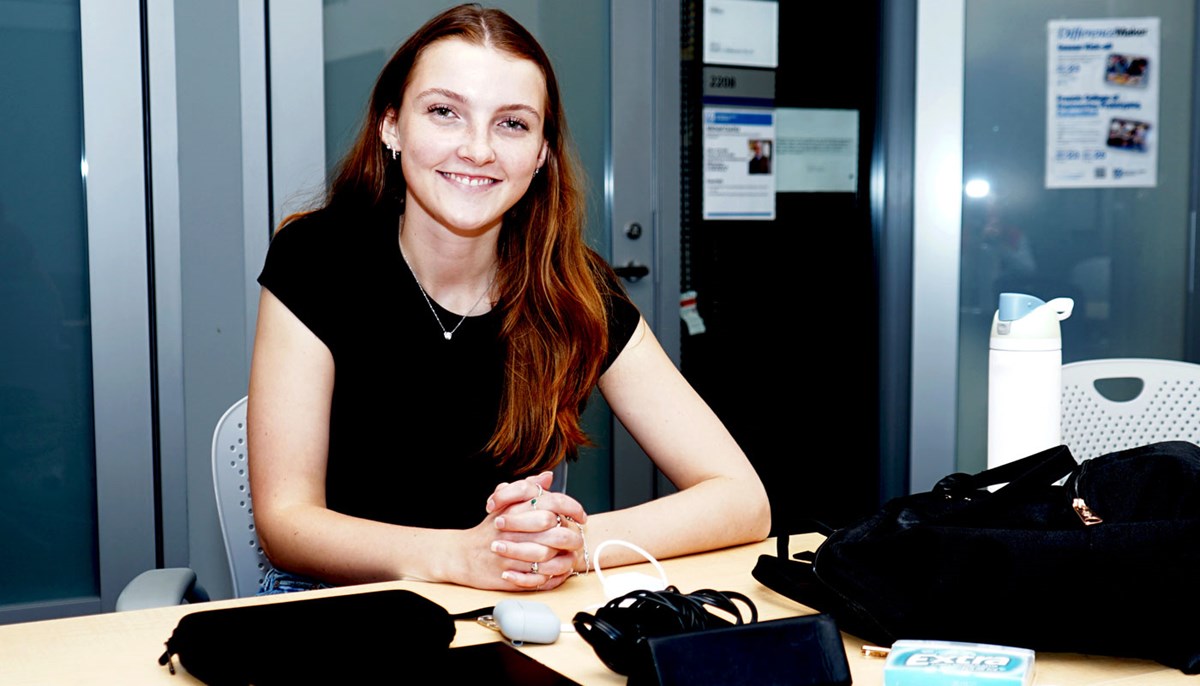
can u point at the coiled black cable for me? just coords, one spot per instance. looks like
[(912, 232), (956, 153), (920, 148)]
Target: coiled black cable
[(620, 630)]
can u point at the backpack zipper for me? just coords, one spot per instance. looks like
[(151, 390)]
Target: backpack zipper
[(1086, 515)]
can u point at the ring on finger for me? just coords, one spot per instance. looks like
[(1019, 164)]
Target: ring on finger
[(557, 520), (533, 568), (533, 502)]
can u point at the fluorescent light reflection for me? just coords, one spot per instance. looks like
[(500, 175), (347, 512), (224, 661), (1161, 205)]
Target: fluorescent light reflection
[(977, 188)]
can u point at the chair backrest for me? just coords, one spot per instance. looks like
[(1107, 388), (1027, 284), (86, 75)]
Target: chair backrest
[(231, 480), (1165, 409)]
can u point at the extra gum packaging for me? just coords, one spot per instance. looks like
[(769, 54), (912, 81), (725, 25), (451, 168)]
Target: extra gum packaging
[(949, 663)]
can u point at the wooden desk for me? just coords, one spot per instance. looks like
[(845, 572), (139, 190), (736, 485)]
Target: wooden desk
[(123, 648)]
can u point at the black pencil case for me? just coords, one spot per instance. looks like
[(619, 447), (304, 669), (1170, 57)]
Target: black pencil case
[(354, 638)]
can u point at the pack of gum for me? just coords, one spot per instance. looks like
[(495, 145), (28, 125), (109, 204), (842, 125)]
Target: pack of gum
[(950, 663)]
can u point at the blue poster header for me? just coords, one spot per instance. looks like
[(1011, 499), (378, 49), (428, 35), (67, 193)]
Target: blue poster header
[(741, 118)]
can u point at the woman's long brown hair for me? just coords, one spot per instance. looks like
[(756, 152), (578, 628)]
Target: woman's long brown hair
[(552, 286)]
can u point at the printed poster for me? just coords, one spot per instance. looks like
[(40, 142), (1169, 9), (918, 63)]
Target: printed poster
[(739, 161), (817, 150), (742, 33), (1102, 103)]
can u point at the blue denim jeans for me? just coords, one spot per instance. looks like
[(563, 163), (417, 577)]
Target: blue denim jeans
[(279, 581)]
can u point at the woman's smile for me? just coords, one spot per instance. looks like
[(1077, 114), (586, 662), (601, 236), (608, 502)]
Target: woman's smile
[(472, 181)]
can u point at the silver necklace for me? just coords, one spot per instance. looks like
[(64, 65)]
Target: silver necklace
[(445, 334)]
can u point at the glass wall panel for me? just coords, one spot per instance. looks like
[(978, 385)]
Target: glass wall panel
[(1122, 254), (48, 534)]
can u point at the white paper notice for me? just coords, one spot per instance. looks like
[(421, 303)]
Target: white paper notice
[(739, 152), (1102, 103), (816, 151), (741, 32)]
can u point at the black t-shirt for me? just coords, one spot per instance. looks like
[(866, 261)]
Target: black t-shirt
[(411, 411)]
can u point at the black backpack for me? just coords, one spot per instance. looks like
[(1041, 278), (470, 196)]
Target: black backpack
[(1104, 563)]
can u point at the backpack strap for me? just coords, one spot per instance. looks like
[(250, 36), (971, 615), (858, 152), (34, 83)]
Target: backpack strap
[(1036, 470)]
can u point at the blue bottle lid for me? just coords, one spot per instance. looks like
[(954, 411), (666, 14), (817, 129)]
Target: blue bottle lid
[(1013, 306)]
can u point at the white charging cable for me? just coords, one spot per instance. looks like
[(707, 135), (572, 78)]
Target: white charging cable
[(617, 585)]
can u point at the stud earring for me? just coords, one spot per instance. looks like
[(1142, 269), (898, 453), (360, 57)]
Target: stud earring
[(536, 170)]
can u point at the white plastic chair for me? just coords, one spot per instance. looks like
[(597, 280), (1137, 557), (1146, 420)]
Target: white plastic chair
[(231, 484), (1165, 409)]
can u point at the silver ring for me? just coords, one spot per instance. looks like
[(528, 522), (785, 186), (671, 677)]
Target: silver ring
[(533, 502), (533, 568), (557, 520)]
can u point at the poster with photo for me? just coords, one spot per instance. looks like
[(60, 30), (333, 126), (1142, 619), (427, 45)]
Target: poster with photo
[(739, 163), (1102, 103)]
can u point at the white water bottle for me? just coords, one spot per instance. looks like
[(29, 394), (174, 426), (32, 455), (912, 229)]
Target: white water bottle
[(1025, 377)]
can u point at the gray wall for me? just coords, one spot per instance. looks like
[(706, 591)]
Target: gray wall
[(215, 365)]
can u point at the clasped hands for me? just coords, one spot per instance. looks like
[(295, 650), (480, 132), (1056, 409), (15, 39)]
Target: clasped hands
[(537, 534)]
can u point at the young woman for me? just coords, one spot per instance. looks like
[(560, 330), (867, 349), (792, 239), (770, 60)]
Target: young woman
[(428, 337)]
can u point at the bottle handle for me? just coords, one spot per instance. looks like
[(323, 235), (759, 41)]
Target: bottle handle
[(1062, 307)]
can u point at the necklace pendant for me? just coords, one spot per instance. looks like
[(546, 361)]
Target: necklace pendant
[(447, 334)]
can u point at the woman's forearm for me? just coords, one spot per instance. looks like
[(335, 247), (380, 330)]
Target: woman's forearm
[(340, 549), (715, 513)]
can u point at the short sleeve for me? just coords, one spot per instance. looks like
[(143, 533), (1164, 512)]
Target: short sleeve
[(623, 318), (299, 272)]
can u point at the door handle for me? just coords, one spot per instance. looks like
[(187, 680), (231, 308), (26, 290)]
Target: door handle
[(632, 271)]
